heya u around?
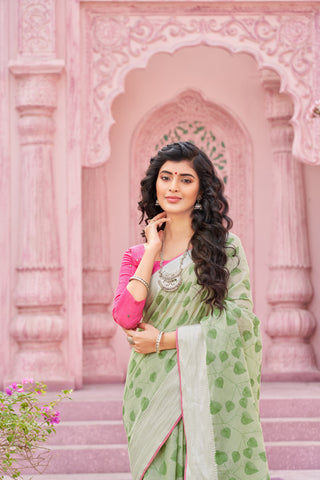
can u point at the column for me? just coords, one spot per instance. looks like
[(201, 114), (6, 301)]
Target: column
[(99, 359), (39, 325), (290, 323), (38, 329)]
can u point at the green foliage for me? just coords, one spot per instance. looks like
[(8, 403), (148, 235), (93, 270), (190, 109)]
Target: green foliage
[(25, 425)]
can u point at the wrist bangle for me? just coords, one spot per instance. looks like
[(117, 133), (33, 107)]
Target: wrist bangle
[(158, 342), (141, 280)]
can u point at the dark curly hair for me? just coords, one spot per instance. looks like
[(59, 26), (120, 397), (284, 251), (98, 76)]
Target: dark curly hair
[(210, 224)]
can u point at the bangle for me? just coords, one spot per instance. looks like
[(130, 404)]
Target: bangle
[(146, 284), (158, 342)]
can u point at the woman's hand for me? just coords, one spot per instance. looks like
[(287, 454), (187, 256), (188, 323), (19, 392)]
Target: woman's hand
[(153, 236), (145, 341)]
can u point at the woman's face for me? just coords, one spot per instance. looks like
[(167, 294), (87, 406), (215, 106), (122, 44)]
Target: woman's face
[(177, 187)]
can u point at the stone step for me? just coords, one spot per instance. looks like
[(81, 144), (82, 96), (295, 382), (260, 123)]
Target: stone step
[(89, 432), (275, 475), (291, 429), (114, 458), (112, 431), (293, 455), (74, 459)]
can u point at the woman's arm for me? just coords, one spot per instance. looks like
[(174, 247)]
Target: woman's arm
[(145, 341), (131, 295)]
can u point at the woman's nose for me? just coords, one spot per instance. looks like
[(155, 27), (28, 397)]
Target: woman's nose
[(174, 185)]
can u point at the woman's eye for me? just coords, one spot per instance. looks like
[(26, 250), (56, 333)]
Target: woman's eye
[(186, 180), (164, 177)]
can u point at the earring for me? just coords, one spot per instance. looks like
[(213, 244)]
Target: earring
[(157, 204), (197, 206)]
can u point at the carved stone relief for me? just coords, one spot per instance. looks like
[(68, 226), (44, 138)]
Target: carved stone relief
[(37, 28), (116, 43)]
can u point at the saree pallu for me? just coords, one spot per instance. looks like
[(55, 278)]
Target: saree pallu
[(193, 413)]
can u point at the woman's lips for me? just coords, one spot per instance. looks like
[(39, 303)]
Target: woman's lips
[(173, 199)]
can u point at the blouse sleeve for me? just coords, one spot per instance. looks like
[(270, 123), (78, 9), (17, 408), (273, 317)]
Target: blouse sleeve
[(127, 311)]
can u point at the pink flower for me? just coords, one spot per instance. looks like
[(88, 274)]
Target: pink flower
[(27, 380), (8, 391), (50, 416), (55, 418)]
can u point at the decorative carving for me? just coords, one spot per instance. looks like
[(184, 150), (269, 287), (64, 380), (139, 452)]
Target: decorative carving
[(37, 28), (228, 131), (116, 44), (290, 323), (99, 359), (203, 137), (38, 327)]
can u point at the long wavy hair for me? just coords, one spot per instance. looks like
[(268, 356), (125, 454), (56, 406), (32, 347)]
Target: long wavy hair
[(209, 224)]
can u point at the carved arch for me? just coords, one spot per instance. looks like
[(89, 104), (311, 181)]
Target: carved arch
[(193, 108), (115, 43)]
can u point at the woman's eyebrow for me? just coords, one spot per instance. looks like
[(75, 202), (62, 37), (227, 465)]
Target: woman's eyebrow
[(181, 174)]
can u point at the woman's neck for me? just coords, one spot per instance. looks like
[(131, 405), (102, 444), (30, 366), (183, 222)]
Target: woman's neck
[(178, 229)]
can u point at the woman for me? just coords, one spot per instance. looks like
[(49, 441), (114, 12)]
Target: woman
[(191, 395)]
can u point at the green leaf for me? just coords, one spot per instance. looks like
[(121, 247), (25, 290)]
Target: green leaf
[(223, 356), (247, 335), (221, 457), (235, 456), (144, 403), (246, 418), (243, 402), (250, 468), (252, 442), (226, 432), (219, 382), (246, 392), (183, 318), (212, 333), (215, 407), (230, 319), (210, 357), (229, 406), (247, 452), (239, 368)]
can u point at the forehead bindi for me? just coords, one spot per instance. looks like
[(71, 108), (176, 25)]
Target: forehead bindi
[(183, 168)]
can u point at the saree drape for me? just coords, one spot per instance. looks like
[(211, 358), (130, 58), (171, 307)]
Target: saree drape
[(192, 413)]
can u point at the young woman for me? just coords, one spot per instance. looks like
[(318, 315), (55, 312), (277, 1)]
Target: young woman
[(192, 390)]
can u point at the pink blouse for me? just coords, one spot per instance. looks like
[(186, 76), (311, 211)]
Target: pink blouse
[(127, 311)]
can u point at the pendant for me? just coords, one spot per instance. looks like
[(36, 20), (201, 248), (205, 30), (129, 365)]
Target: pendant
[(170, 284)]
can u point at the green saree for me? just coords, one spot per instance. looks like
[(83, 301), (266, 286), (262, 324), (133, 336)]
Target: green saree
[(192, 413)]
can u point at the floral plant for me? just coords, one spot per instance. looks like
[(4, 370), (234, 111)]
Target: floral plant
[(25, 425)]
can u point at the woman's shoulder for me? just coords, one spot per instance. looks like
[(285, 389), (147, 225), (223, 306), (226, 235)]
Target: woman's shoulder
[(136, 251)]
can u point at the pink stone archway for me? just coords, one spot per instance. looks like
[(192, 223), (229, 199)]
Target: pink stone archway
[(211, 117), (117, 40)]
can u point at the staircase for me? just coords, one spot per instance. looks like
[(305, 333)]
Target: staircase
[(91, 441)]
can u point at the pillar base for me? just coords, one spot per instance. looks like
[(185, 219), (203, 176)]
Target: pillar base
[(293, 361)]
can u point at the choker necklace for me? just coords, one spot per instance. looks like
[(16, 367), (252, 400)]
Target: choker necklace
[(169, 282)]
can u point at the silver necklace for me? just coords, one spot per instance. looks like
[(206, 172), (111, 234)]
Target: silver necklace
[(169, 282)]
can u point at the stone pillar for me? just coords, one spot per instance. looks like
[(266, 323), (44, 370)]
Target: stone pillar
[(38, 327), (99, 359), (290, 323)]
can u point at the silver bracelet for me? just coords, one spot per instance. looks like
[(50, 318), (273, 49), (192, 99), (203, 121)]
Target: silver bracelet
[(146, 284), (158, 342)]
